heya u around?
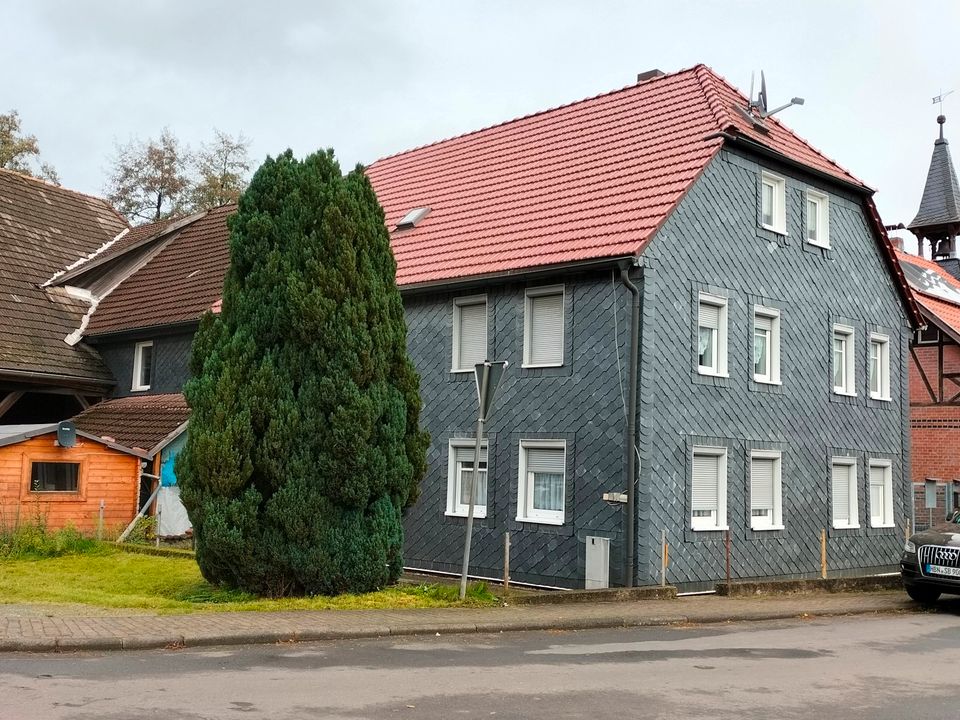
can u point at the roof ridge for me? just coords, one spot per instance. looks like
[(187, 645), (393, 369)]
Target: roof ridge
[(528, 116), (70, 191), (706, 78)]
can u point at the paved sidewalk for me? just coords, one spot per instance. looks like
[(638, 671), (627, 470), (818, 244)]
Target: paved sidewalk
[(33, 628)]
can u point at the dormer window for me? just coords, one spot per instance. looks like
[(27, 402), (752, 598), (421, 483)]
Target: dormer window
[(142, 366), (412, 218), (773, 214)]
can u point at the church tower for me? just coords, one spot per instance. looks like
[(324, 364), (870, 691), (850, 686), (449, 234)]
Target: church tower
[(938, 219)]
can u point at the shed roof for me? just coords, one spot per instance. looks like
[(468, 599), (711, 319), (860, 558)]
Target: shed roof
[(145, 422), (14, 434)]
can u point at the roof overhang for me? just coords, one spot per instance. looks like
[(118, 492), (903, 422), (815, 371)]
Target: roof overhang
[(32, 379), (48, 429), (173, 435)]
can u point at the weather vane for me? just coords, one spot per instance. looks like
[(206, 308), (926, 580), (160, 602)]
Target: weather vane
[(938, 100)]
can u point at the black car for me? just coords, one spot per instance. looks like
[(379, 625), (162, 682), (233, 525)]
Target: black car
[(930, 565)]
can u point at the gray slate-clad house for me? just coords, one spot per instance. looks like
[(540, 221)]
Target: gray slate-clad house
[(705, 323)]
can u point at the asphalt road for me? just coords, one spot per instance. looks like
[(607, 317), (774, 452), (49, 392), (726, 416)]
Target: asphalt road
[(900, 666)]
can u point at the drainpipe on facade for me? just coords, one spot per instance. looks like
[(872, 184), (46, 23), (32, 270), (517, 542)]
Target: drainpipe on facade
[(630, 435)]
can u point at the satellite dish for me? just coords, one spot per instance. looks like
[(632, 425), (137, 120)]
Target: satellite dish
[(762, 97)]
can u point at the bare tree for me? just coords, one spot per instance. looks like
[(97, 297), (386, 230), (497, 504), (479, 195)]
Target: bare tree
[(221, 168), (149, 181), (21, 153)]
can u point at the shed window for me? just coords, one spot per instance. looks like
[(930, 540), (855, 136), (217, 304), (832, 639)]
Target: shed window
[(469, 332), (543, 327), (54, 476), (142, 365)]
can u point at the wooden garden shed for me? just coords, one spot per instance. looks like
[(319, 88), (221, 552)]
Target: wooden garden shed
[(65, 486)]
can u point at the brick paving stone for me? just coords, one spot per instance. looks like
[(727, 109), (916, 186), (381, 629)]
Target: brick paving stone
[(22, 631)]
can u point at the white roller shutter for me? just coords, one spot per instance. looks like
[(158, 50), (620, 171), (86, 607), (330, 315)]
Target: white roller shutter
[(545, 329), (472, 335), (709, 316), (706, 480), (841, 494), (761, 484)]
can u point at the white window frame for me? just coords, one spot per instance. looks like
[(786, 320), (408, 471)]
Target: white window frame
[(883, 341), (779, 209), (136, 385), (719, 521), (772, 377), (529, 295), (852, 493), (849, 388), (775, 520), (458, 304), (719, 368), (454, 474), (525, 510), (886, 511), (822, 202)]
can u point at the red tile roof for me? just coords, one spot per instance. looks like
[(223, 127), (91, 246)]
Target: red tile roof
[(138, 422), (593, 179), (940, 310), (588, 181)]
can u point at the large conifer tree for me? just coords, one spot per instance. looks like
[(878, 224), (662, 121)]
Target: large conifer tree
[(304, 444)]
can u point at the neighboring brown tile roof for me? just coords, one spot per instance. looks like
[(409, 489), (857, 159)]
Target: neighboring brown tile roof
[(44, 228), (177, 285), (936, 290), (138, 422)]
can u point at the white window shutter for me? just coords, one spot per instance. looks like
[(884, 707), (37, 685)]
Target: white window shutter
[(761, 484), (706, 473), (841, 494), (546, 329), (763, 322), (709, 316), (545, 460), (473, 335)]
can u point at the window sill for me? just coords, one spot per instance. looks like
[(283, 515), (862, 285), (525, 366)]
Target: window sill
[(534, 367), (541, 521), (719, 528), (885, 525), (477, 515), (847, 527), (763, 381), (880, 398), (710, 373), (768, 527), (822, 246), (778, 231), (844, 394), (140, 389), (465, 370)]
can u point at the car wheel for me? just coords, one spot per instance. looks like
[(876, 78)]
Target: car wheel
[(923, 595)]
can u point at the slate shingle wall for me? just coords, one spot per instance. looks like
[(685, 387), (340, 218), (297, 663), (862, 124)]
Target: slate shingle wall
[(171, 362), (579, 402), (713, 241)]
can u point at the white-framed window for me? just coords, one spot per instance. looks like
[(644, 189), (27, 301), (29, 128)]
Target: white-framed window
[(142, 365), (469, 332), (543, 327), (766, 490), (459, 472), (881, 493), (817, 219), (879, 367), (773, 203), (844, 380), (542, 486), (766, 345), (843, 493), (712, 335), (708, 489)]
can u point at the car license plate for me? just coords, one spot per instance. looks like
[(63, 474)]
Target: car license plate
[(942, 570)]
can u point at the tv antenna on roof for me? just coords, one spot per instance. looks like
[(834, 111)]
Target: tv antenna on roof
[(760, 104)]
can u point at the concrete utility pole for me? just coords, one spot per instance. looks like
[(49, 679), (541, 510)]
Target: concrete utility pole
[(488, 376)]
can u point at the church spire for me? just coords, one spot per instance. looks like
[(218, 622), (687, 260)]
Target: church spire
[(938, 219)]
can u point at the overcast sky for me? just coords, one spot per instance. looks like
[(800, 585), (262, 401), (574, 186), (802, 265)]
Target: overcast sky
[(373, 78)]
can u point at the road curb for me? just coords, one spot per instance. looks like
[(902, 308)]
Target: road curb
[(287, 635)]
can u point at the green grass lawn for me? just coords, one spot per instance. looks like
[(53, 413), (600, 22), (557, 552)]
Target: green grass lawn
[(104, 576)]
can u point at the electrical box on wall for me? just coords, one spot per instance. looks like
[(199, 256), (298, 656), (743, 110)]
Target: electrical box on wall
[(597, 569)]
